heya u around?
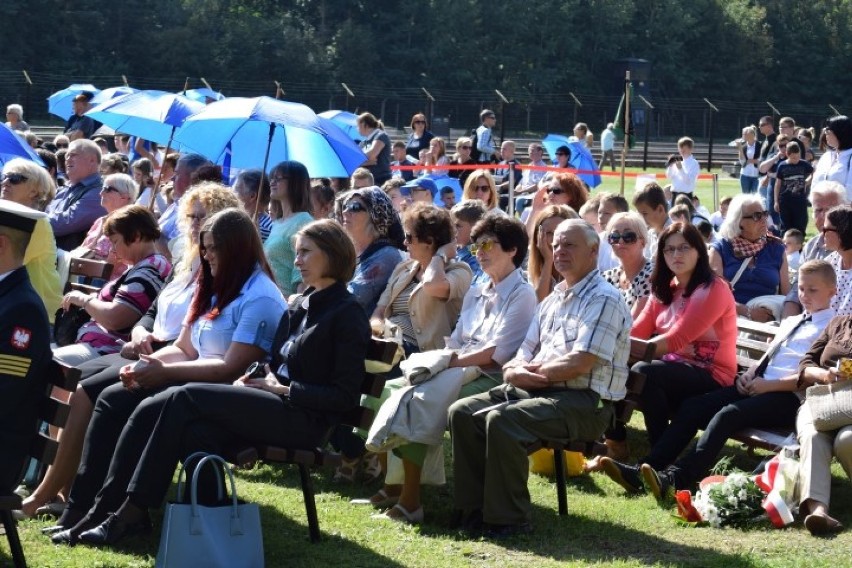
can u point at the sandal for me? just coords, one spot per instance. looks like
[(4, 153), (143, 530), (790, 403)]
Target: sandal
[(402, 516), (372, 468), (346, 471), (380, 500)]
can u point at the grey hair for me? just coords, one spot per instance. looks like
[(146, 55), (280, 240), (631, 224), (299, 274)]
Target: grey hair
[(634, 220), (828, 188), (16, 109), (592, 238), (86, 146), (123, 183), (730, 229)]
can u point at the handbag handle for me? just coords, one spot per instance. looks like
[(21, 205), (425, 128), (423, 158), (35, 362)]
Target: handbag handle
[(739, 273), (195, 525), (187, 461)]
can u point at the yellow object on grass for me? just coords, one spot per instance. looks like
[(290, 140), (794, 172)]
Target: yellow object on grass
[(541, 462)]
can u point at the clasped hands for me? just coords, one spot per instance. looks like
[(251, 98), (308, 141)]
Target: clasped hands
[(269, 383)]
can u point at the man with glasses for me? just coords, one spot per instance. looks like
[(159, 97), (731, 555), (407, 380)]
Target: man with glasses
[(78, 204), (485, 137), (186, 166), (563, 383), (787, 127)]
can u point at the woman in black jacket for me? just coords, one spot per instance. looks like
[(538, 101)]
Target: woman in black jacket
[(315, 378)]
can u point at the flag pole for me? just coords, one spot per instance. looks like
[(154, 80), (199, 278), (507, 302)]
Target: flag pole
[(626, 119)]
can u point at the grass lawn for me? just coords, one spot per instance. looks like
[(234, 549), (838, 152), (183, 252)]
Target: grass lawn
[(604, 527)]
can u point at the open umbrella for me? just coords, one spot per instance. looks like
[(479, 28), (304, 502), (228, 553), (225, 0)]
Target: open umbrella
[(347, 122), (446, 181), (202, 95), (59, 103), (13, 146), (151, 115), (581, 158), (112, 93), (248, 132)]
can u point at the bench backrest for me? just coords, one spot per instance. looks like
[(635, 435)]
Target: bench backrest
[(379, 350), (753, 339), (640, 350), (83, 271), (54, 412)]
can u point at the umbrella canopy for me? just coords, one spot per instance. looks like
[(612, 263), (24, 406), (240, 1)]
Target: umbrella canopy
[(347, 122), (59, 103), (13, 146), (241, 133), (581, 158), (150, 115), (202, 95), (112, 93), (446, 181)]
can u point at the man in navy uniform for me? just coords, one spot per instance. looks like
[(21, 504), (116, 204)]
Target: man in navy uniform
[(24, 344)]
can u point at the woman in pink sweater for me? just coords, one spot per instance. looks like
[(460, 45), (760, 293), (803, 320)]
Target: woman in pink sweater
[(691, 318)]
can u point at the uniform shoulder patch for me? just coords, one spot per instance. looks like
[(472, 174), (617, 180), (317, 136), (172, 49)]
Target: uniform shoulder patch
[(21, 337)]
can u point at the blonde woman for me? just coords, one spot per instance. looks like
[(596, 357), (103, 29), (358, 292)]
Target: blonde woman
[(480, 185), (542, 275), (438, 150), (462, 157)]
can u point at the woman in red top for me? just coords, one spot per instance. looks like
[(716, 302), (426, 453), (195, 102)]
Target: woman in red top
[(691, 319)]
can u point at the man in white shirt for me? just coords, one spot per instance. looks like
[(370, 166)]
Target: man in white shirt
[(607, 146), (683, 170)]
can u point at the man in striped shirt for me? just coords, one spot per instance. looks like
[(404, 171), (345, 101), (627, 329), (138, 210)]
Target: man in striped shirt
[(562, 384)]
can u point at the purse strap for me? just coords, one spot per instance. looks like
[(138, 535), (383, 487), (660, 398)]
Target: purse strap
[(195, 524), (189, 459), (739, 273)]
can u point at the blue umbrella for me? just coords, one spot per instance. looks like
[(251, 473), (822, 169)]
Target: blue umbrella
[(202, 95), (247, 133), (112, 93), (59, 103), (347, 122), (13, 146), (581, 158), (151, 115)]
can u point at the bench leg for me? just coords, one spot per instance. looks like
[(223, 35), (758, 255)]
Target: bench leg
[(310, 503), (14, 541), (559, 469)]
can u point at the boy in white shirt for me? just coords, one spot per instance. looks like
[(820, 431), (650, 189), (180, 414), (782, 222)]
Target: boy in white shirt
[(683, 170)]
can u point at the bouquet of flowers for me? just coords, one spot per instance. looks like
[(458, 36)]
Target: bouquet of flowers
[(732, 500)]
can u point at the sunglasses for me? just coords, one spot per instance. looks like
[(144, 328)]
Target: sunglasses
[(629, 237), (419, 122), (465, 147), (196, 218), (757, 216), (14, 179), (555, 191), (561, 154), (354, 207), (108, 189), (485, 188), (484, 246)]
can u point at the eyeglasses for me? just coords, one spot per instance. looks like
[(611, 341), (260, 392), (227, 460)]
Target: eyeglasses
[(419, 122), (629, 237), (483, 246), (109, 188), (829, 229), (680, 249), (14, 178), (757, 216), (465, 147), (354, 207), (485, 188), (555, 190)]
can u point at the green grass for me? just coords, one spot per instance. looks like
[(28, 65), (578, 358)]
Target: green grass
[(604, 527)]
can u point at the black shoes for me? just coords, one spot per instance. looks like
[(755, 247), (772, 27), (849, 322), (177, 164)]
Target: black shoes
[(659, 482), (113, 529), (625, 475)]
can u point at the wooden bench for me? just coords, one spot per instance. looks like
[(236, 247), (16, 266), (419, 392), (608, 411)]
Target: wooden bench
[(83, 272), (360, 417), (753, 340), (43, 448), (640, 350)]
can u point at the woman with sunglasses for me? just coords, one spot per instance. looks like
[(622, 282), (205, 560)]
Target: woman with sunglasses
[(627, 235), (542, 274), (836, 163), (118, 190), (560, 189), (750, 259), (159, 327), (462, 157), (480, 185), (290, 209), (492, 324), (28, 184), (419, 138)]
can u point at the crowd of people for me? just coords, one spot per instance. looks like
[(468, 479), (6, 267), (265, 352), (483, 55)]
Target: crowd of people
[(532, 316)]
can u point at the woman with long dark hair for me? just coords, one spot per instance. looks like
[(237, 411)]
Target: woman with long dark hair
[(836, 163), (290, 206), (230, 323)]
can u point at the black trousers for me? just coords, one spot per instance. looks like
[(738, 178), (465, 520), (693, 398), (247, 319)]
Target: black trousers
[(720, 413), (213, 418), (667, 385), (794, 212)]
